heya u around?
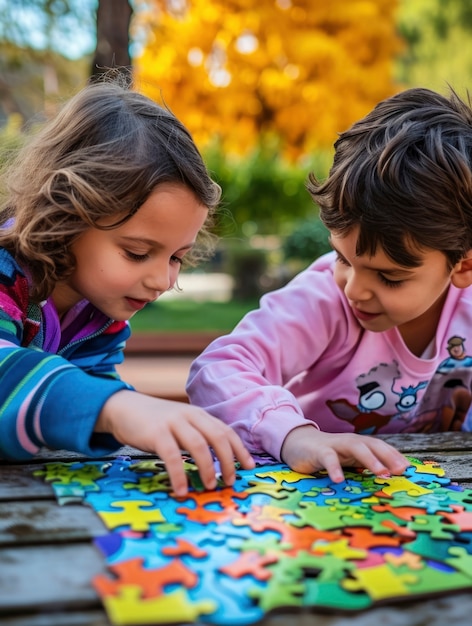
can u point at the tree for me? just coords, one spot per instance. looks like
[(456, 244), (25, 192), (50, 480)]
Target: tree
[(112, 49), (243, 70), (33, 71), (438, 49)]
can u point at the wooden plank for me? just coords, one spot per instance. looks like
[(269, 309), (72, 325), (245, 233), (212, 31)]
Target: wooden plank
[(419, 442), (455, 609), (170, 343), (40, 578), (17, 482), (45, 455), (58, 618), (40, 522)]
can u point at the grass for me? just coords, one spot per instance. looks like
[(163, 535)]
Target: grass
[(187, 315)]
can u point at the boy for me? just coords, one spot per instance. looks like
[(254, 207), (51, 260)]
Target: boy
[(359, 343)]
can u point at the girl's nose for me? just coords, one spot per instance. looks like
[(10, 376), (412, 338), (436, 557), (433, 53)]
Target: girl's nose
[(159, 279)]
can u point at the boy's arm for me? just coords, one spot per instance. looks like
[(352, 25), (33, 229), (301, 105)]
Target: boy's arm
[(308, 450), (240, 377)]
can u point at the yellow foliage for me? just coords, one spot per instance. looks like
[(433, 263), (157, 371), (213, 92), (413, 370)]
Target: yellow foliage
[(242, 69)]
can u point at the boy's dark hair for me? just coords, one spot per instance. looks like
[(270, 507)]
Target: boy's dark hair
[(99, 158), (403, 175)]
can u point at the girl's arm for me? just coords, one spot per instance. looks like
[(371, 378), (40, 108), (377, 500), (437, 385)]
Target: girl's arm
[(47, 401), (164, 427), (81, 405)]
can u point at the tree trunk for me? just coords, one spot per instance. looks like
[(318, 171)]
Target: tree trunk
[(112, 51)]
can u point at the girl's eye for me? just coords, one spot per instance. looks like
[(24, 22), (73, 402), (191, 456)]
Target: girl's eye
[(390, 283), (176, 259), (136, 257)]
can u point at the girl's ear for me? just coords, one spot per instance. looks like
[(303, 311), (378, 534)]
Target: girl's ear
[(461, 276)]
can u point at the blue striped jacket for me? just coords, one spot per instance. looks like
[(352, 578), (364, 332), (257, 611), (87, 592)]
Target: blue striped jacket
[(53, 381)]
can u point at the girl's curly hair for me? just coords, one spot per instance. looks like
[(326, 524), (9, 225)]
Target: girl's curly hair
[(101, 157)]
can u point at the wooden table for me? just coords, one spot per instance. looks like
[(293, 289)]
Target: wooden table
[(47, 558)]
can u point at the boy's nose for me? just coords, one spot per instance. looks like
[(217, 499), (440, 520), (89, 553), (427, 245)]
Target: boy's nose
[(355, 289)]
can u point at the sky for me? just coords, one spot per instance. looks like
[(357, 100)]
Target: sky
[(73, 37)]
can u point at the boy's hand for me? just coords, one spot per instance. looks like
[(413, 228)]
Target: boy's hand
[(165, 428), (307, 449)]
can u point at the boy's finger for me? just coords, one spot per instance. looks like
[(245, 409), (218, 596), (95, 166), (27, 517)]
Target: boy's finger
[(330, 461)]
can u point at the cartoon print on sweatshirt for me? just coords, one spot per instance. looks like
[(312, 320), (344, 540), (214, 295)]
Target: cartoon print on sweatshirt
[(458, 357), (454, 374), (380, 403), (376, 391)]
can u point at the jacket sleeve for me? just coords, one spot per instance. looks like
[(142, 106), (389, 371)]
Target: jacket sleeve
[(242, 377), (100, 354), (48, 400)]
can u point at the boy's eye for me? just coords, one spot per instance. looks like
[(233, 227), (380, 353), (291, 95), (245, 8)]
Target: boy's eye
[(136, 257), (341, 259), (390, 283)]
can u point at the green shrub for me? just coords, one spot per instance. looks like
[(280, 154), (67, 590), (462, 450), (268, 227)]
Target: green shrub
[(307, 242), (263, 194)]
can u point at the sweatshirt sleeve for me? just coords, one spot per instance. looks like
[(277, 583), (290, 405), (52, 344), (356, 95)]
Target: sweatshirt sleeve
[(241, 377), (47, 400)]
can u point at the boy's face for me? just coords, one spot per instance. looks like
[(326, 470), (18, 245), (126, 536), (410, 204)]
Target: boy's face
[(382, 294), (122, 269)]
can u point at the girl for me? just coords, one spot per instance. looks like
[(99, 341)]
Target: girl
[(102, 208)]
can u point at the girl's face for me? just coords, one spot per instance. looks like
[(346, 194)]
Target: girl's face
[(122, 269), (382, 294)]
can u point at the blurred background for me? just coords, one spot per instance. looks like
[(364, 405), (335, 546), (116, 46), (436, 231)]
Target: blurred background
[(265, 87)]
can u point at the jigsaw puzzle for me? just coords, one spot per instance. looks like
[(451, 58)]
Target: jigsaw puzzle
[(275, 540)]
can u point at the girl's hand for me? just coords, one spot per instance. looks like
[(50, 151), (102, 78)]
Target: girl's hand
[(307, 449), (164, 428)]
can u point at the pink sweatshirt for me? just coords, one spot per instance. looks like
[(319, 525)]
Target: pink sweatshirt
[(302, 357)]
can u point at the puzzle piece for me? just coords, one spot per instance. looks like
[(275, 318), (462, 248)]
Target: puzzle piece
[(83, 474), (434, 525), (431, 502), (184, 547), (151, 581), (322, 518), (460, 519), (251, 563), (379, 582), (396, 484), (431, 468), (135, 514), (224, 509), (460, 560), (151, 484), (436, 579), (174, 607)]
